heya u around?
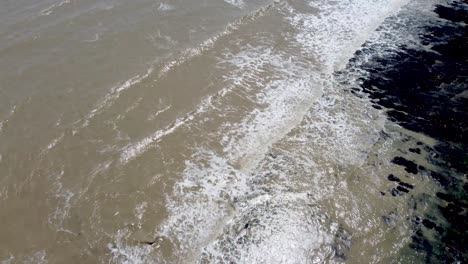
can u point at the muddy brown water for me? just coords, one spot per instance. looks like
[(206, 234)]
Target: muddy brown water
[(196, 131)]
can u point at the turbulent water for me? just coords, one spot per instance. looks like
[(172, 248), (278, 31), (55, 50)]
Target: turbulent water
[(235, 131)]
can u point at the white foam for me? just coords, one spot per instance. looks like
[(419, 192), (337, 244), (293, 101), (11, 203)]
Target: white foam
[(391, 36), (281, 228), (130, 108), (53, 7), (209, 43), (320, 34), (340, 27), (95, 38), (39, 257), (193, 52), (111, 97), (237, 3), (124, 253), (97, 170), (134, 150), (293, 90), (155, 115), (199, 215), (63, 197), (215, 201), (10, 260), (3, 193), (140, 210), (163, 6), (167, 42), (218, 192), (53, 143), (209, 178), (8, 117), (247, 63)]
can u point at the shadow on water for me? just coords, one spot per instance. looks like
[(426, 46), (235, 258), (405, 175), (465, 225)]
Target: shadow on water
[(425, 90)]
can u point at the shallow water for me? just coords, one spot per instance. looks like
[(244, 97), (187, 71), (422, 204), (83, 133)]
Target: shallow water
[(233, 131)]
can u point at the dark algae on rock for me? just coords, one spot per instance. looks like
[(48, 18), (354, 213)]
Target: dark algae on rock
[(422, 85)]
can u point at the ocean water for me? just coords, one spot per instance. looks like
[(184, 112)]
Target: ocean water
[(233, 131)]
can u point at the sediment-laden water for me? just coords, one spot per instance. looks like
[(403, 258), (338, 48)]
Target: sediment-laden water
[(233, 131)]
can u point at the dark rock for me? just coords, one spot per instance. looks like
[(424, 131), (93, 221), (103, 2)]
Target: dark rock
[(455, 216), (406, 185), (453, 156), (446, 197), (393, 178), (410, 166), (452, 14), (342, 243), (415, 150), (416, 220), (156, 240), (401, 189), (428, 224), (443, 180), (387, 220), (394, 192), (419, 243)]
